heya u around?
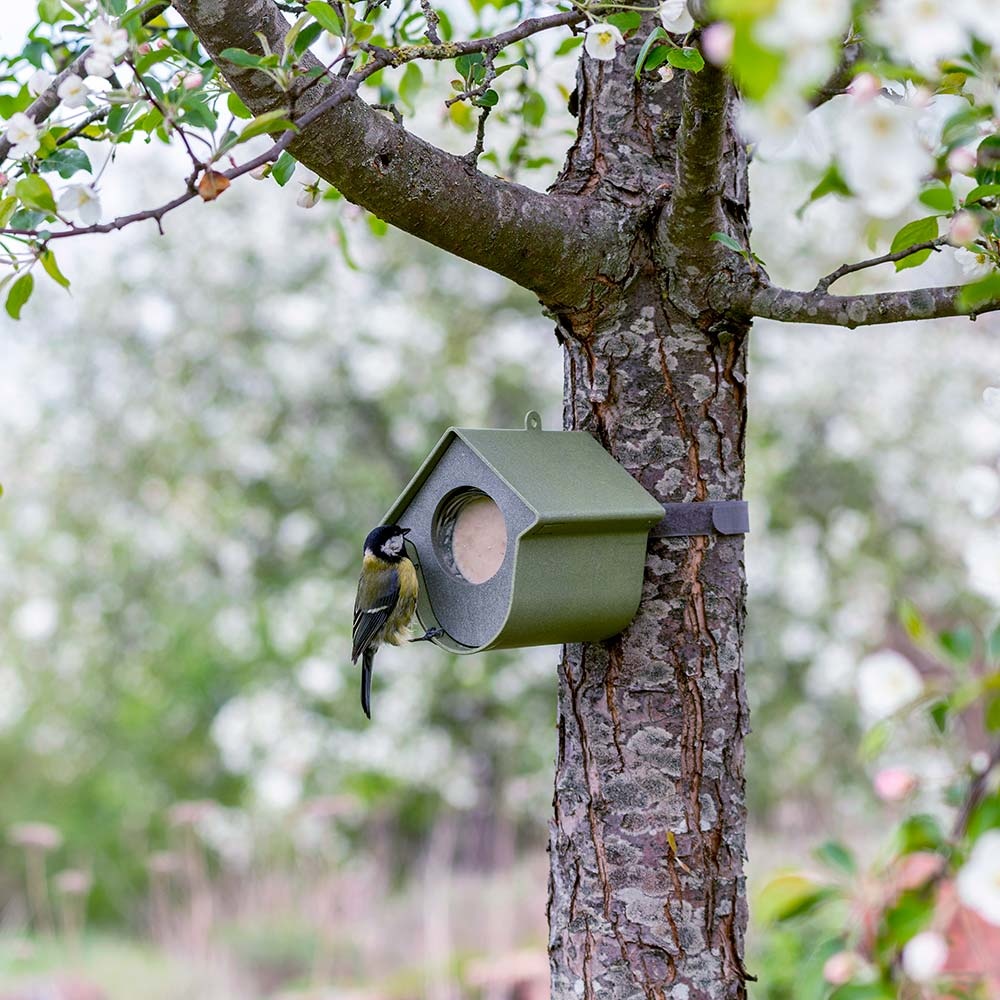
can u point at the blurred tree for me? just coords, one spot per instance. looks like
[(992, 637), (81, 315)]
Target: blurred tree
[(641, 254)]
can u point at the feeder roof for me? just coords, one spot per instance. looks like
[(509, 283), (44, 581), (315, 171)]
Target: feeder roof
[(564, 477)]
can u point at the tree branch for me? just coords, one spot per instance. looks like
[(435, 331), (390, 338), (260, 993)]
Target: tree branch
[(769, 302), (695, 210), (551, 244), (887, 258)]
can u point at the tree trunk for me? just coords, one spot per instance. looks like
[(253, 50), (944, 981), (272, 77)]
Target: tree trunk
[(647, 893)]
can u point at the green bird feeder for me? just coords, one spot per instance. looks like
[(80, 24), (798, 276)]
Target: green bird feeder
[(524, 538)]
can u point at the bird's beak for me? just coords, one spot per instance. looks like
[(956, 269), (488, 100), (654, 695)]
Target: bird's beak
[(405, 531)]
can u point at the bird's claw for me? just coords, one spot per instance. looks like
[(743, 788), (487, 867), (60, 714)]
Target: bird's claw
[(431, 633)]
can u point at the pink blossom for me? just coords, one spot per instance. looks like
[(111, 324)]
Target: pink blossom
[(192, 81), (892, 784), (865, 87), (717, 42), (841, 968), (962, 160), (963, 229)]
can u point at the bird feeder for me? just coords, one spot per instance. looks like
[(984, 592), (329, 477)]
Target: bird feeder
[(524, 538)]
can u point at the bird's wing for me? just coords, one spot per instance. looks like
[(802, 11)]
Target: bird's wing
[(378, 592)]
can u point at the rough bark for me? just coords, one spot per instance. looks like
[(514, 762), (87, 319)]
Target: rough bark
[(646, 895)]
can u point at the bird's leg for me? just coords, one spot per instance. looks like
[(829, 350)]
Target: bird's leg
[(431, 633)]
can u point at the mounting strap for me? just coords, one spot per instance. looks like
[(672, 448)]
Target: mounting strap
[(705, 517)]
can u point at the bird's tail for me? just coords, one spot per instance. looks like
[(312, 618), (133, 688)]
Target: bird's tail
[(367, 660)]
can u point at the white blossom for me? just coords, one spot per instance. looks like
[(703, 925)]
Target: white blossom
[(978, 882), (774, 124), (882, 157), (22, 134), (924, 956), (975, 265), (73, 92), (980, 19), (308, 197), (991, 399), (83, 201), (99, 64), (675, 16), (717, 42), (886, 682), (963, 229), (921, 31), (107, 39), (39, 82), (798, 22), (602, 41)]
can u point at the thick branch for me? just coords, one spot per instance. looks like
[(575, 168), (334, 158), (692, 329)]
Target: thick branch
[(552, 244), (787, 306), (695, 210)]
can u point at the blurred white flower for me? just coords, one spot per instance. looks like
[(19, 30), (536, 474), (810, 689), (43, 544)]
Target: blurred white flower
[(36, 619), (921, 31), (22, 134), (602, 41), (774, 124), (107, 39), (979, 487), (991, 399), (980, 19), (73, 92), (717, 42), (924, 956), (962, 160), (978, 882), (886, 682), (798, 22), (675, 16), (83, 201), (881, 156), (963, 229), (39, 81), (99, 64)]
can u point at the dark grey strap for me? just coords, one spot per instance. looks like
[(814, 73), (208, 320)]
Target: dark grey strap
[(726, 517)]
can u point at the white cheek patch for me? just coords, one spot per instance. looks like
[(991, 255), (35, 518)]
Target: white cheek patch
[(394, 545)]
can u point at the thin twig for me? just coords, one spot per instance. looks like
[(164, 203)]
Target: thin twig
[(975, 795), (887, 258), (157, 214), (450, 50), (432, 19), (472, 158)]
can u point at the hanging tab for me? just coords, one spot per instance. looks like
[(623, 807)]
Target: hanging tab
[(706, 517)]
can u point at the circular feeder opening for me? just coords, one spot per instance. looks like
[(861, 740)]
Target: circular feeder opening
[(470, 535)]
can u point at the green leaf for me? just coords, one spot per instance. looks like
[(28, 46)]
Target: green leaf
[(651, 39), (789, 895), (939, 198), (533, 108), (240, 57), (48, 259), (918, 833), (66, 162), (959, 643), (907, 917), (283, 168), (35, 192), (864, 991), (939, 714), (568, 44), (307, 36), (909, 618), (992, 645), (986, 816), (626, 21), (18, 295), (982, 191), (876, 740), (410, 83), (918, 231), (8, 206), (727, 241), (489, 99), (687, 58), (237, 108), (271, 121), (757, 68), (836, 855), (992, 713), (979, 292), (326, 16), (50, 10)]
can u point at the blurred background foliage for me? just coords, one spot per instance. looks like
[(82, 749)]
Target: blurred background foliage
[(195, 443)]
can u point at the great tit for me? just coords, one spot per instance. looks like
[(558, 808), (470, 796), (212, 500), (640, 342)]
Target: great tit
[(387, 598)]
